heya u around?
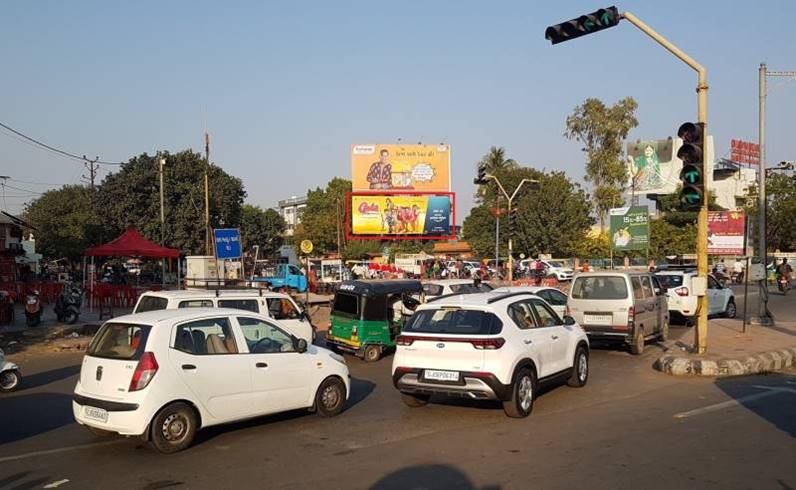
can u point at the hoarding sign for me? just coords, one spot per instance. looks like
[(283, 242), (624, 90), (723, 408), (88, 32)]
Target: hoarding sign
[(744, 152), (630, 228), (726, 230), (653, 166), (227, 243), (422, 168), (401, 216)]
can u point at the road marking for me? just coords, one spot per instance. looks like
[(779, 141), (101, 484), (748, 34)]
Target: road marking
[(770, 390), (56, 484), (58, 450)]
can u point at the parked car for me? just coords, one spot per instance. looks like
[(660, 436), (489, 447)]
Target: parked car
[(441, 287), (551, 267), (277, 306), (683, 303), (493, 346), (555, 298), (629, 307), (163, 375)]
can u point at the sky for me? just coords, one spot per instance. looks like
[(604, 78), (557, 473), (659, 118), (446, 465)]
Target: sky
[(284, 88)]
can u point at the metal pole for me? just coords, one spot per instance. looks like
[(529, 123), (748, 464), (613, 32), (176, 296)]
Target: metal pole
[(763, 317), (497, 236), (161, 162), (745, 291), (511, 246), (208, 248)]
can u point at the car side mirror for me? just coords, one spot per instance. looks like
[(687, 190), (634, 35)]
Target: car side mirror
[(301, 346), (568, 320), (658, 291)]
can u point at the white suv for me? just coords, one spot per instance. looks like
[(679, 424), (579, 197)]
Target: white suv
[(164, 374), (682, 301), (498, 346)]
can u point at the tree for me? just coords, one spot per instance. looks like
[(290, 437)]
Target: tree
[(319, 221), (495, 162), (130, 197), (781, 212), (264, 229), (668, 239), (601, 129), (65, 225)]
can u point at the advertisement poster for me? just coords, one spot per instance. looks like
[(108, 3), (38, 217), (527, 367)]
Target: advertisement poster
[(397, 215), (653, 166), (630, 228), (227, 243), (726, 230), (423, 168)]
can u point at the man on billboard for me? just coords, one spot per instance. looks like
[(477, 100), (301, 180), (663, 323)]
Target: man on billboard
[(380, 172)]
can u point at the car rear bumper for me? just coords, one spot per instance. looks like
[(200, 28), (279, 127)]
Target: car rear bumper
[(606, 333), (123, 418), (475, 386)]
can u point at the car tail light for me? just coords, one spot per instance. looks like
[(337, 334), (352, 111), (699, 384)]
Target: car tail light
[(681, 291), (631, 315), (488, 344), (404, 340), (144, 372)]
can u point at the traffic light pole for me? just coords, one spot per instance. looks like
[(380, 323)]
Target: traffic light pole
[(700, 342), (510, 200)]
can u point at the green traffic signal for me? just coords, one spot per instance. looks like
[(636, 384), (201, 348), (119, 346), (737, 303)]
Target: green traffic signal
[(585, 24), (692, 176)]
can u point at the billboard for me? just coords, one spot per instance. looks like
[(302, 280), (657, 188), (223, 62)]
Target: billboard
[(744, 152), (389, 168), (726, 232), (629, 228), (410, 216), (653, 166), (227, 243)]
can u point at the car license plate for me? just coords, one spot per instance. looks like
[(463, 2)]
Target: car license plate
[(441, 375), (96, 414), (598, 319)]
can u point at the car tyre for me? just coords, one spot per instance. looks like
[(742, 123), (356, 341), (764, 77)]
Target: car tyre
[(10, 380), (580, 369), (637, 345), (523, 392), (415, 401), (731, 311), (173, 428), (372, 353), (330, 397)]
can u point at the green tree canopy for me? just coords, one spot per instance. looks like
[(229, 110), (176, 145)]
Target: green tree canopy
[(781, 213), (602, 129), (319, 221), (263, 228)]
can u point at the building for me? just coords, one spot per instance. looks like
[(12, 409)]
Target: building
[(291, 210), (10, 245), (732, 183)]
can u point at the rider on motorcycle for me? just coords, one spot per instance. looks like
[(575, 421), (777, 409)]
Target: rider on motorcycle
[(784, 270)]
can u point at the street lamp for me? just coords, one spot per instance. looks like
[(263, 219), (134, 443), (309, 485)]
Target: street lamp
[(161, 163)]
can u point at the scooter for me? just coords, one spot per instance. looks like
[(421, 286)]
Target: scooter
[(783, 284), (32, 308), (10, 376), (67, 306)]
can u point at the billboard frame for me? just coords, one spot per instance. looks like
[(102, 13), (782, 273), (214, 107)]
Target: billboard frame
[(348, 225)]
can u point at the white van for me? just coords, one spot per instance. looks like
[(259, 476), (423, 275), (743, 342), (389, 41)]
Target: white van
[(277, 306)]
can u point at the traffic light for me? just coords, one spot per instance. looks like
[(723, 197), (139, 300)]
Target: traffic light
[(693, 174), (481, 178), (585, 24), (513, 227)]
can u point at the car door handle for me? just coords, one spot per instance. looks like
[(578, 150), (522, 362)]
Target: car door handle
[(528, 341), (261, 365), (188, 366)]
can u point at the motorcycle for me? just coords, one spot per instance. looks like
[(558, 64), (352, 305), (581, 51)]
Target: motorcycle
[(32, 308), (737, 277), (783, 283), (67, 306), (10, 376)]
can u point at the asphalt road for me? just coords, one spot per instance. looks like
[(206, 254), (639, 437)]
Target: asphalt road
[(630, 427)]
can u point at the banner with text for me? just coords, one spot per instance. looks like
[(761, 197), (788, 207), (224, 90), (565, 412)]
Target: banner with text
[(424, 168), (630, 228), (416, 216), (726, 232)]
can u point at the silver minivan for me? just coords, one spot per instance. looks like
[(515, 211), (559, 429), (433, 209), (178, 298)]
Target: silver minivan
[(624, 306)]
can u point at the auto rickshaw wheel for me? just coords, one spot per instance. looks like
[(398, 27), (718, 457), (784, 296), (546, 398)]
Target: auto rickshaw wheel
[(371, 353)]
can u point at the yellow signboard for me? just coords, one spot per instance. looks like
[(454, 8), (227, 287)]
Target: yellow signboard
[(423, 168), (401, 215)]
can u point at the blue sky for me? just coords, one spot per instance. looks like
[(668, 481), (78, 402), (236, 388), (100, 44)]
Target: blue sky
[(285, 87)]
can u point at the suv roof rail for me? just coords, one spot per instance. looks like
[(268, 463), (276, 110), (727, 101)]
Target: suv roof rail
[(508, 295)]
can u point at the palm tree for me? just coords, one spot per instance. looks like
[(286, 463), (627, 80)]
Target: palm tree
[(496, 160)]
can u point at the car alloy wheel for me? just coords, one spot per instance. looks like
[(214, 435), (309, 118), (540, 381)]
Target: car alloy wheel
[(526, 393), (731, 310), (9, 380), (583, 367)]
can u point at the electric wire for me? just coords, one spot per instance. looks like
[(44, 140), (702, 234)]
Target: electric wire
[(56, 150)]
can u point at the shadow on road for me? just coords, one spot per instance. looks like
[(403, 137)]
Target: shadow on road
[(779, 408), (28, 415), (47, 377), (18, 481), (430, 477)]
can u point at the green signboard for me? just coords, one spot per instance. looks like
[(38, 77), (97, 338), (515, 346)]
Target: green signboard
[(630, 228)]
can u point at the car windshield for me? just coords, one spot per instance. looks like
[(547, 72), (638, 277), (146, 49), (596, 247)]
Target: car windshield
[(599, 287), (455, 321), (670, 281), (151, 303), (346, 304), (124, 341), (557, 265), (470, 288)]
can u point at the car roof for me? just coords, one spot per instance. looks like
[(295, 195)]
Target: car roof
[(478, 300), (205, 293), (448, 282), (522, 289), (390, 286), (178, 315), (675, 273), (611, 272)]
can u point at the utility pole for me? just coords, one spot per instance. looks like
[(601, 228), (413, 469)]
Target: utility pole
[(161, 163), (92, 167), (763, 315), (510, 199), (497, 235), (337, 222), (208, 244)]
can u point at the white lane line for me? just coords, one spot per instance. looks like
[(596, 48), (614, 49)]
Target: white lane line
[(34, 454), (770, 390), (56, 484)]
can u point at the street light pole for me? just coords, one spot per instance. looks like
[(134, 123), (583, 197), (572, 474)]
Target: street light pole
[(510, 199), (161, 163)]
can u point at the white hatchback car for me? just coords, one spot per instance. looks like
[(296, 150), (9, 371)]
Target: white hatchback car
[(495, 346), (441, 287), (682, 301), (164, 374)]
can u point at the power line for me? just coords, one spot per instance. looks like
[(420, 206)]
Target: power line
[(56, 150), (29, 182)]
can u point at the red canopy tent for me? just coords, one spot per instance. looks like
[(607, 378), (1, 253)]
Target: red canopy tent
[(132, 244)]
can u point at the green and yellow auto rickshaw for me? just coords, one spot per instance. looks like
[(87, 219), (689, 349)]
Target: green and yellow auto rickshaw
[(368, 315)]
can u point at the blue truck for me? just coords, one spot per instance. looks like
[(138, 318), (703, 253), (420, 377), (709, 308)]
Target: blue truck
[(283, 276)]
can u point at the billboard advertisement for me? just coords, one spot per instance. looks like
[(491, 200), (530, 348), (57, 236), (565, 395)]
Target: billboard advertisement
[(390, 168), (414, 216), (653, 166), (744, 152), (726, 232), (630, 228)]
